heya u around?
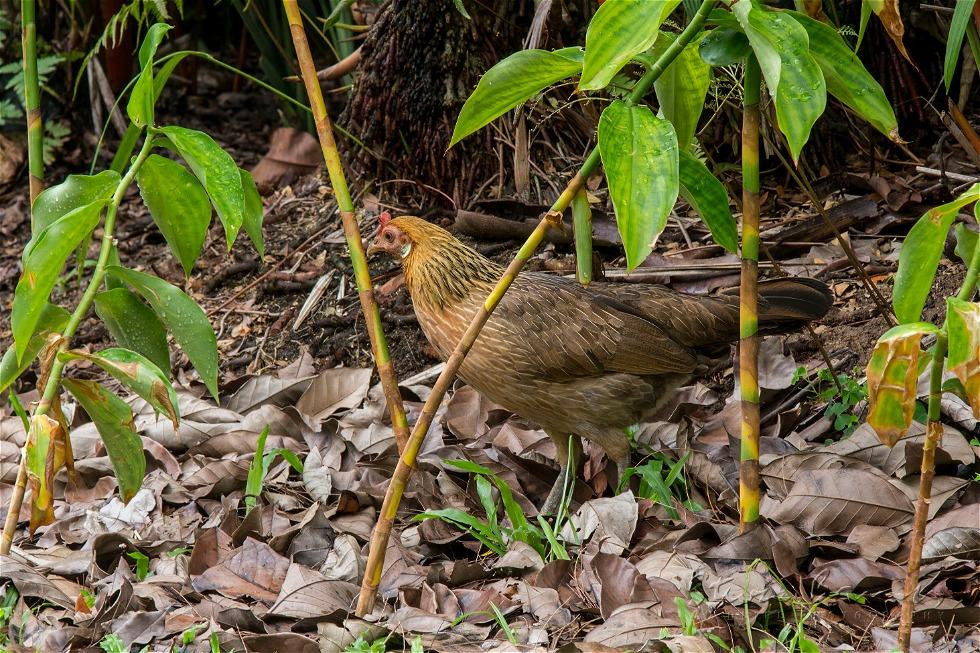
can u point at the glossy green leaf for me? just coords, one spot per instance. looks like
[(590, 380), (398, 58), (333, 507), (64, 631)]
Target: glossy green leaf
[(963, 358), (53, 319), (217, 171), (179, 206), (136, 373), (724, 46), (143, 98), (962, 14), (254, 212), (966, 242), (154, 37), (893, 372), (512, 81), (682, 89), (183, 318), (919, 258), (793, 78), (640, 157), (114, 420), (44, 259), (846, 77), (618, 31), (74, 192), (708, 197), (134, 325)]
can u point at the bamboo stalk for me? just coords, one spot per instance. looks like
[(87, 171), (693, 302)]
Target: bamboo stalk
[(748, 344), (53, 383), (335, 169), (582, 215), (32, 101), (927, 470), (406, 463)]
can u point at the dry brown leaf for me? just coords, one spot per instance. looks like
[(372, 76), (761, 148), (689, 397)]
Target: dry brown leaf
[(873, 541), (960, 542), (635, 625), (864, 445), (783, 471), (854, 574), (334, 390), (307, 594), (609, 521), (833, 501), (292, 153), (253, 570)]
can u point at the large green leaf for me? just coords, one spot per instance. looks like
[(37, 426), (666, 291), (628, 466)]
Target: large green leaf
[(708, 197), (640, 157), (179, 206), (962, 14), (254, 212), (74, 192), (724, 46), (53, 319), (183, 318), (920, 255), (136, 373), (511, 82), (619, 31), (966, 242), (846, 77), (217, 171), (682, 88), (794, 79), (114, 420), (44, 259), (142, 98), (963, 323), (134, 325)]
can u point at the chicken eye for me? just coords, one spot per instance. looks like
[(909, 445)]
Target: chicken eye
[(388, 237)]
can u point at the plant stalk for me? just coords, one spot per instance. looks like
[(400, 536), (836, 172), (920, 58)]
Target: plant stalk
[(927, 470), (582, 216), (32, 101), (81, 310), (748, 344), (406, 463), (365, 288)]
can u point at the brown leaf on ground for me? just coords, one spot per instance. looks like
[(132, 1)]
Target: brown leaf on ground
[(292, 153), (253, 570)]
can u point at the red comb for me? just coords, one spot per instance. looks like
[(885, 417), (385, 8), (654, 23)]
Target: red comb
[(384, 218)]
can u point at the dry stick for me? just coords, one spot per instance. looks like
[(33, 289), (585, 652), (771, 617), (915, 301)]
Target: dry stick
[(748, 344), (32, 101), (927, 470), (406, 463), (365, 289)]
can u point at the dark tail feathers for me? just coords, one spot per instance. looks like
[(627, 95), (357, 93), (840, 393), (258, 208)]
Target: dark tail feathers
[(785, 304)]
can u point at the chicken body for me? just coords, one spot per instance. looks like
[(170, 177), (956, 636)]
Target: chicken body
[(577, 360)]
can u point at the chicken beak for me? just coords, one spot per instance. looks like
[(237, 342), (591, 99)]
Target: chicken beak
[(372, 250)]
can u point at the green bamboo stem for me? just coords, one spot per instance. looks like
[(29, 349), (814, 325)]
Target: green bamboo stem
[(582, 216), (53, 384), (335, 169), (748, 345), (406, 463), (927, 469), (32, 101)]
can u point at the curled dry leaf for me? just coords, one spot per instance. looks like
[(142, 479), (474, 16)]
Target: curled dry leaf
[(254, 570), (832, 501), (960, 542), (609, 521)]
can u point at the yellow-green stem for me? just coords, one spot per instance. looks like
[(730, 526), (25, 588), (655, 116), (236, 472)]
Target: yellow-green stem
[(81, 310), (927, 469), (406, 463), (582, 217), (362, 277), (748, 346), (32, 100)]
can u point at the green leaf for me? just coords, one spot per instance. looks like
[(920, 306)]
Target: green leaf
[(963, 359), (254, 212), (179, 206), (45, 452), (794, 79), (44, 259), (708, 197), (154, 36), (74, 192), (114, 421), (639, 154), (966, 242), (893, 372), (143, 98), (136, 373), (681, 89), (183, 318), (846, 77), (464, 521), (512, 81), (920, 255), (217, 171), (724, 46), (134, 325), (618, 31), (53, 319), (962, 14)]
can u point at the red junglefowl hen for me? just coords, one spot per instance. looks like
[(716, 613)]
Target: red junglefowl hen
[(579, 361)]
